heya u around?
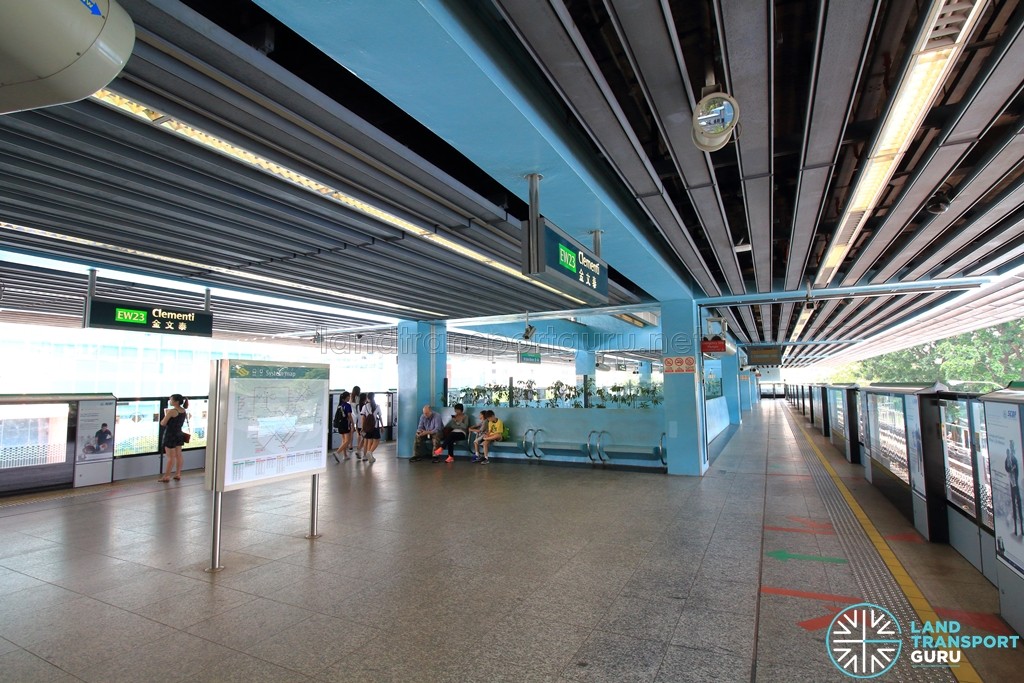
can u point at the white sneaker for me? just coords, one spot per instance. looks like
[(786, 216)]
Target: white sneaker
[(371, 459)]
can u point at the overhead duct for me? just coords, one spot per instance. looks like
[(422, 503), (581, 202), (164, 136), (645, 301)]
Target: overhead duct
[(58, 51)]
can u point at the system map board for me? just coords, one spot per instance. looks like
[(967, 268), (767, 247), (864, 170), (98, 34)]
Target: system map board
[(271, 422)]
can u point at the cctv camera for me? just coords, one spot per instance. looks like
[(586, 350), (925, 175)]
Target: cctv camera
[(359, 336), (809, 305), (938, 204), (529, 332)]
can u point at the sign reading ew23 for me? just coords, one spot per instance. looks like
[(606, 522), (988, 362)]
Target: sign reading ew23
[(551, 256), (136, 317), (270, 422)]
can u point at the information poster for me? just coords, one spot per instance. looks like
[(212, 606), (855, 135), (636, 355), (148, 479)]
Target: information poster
[(275, 423), (95, 441), (915, 451), (1002, 421)]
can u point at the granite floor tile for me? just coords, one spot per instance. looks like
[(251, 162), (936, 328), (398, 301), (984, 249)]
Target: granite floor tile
[(546, 646), (312, 645), (197, 605), (20, 666), (720, 633), (7, 646), (249, 622), (648, 618), (173, 658), (702, 666), (616, 658), (243, 668)]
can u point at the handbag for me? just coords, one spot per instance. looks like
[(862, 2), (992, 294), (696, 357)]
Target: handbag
[(186, 436)]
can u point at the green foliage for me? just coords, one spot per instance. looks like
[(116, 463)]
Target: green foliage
[(559, 395), (992, 355)]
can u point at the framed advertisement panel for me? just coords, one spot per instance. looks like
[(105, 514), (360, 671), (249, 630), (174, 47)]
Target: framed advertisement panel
[(1002, 423)]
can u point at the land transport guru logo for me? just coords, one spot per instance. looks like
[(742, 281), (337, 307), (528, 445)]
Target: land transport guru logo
[(866, 641)]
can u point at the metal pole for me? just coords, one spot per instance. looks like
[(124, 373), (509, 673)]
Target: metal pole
[(90, 293), (534, 237), (215, 565), (597, 242), (206, 301), (312, 508)]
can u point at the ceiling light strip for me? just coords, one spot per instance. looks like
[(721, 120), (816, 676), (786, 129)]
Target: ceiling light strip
[(228, 149), (255, 277), (950, 23)]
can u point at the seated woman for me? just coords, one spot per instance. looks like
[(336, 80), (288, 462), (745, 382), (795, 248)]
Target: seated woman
[(456, 430)]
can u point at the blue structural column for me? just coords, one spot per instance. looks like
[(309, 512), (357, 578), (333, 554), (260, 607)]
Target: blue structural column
[(422, 366), (745, 382), (731, 386), (586, 363), (685, 441), (645, 372)]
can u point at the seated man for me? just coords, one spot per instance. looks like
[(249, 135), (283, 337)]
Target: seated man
[(429, 427), (495, 430)]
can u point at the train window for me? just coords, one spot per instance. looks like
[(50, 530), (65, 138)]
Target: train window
[(982, 473), (956, 450)]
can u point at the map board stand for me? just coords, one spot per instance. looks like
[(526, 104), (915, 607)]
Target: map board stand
[(268, 422)]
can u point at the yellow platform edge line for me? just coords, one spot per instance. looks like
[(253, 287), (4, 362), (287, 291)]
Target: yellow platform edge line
[(965, 673)]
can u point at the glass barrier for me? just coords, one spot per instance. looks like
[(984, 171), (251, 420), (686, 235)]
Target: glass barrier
[(956, 449), (862, 408), (137, 427), (983, 475), (33, 434), (892, 436), (837, 404)]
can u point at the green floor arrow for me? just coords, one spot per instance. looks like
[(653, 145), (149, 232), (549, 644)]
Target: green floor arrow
[(786, 555)]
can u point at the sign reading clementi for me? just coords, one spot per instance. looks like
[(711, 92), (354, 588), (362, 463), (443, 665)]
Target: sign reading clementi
[(140, 317)]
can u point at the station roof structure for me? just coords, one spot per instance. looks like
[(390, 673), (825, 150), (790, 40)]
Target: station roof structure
[(372, 156)]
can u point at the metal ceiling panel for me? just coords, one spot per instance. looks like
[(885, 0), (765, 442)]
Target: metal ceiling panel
[(652, 45), (992, 91), (748, 37), (844, 28), (548, 33)]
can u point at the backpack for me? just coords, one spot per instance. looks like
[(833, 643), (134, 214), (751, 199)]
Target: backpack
[(369, 421)]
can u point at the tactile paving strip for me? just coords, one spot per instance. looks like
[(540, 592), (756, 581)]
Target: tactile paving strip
[(875, 581)]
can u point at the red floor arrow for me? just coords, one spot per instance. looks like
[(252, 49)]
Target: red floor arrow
[(820, 622)]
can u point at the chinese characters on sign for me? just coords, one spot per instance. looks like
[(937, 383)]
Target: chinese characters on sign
[(116, 315)]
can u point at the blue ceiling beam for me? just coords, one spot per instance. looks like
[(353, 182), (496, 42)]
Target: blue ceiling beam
[(447, 70)]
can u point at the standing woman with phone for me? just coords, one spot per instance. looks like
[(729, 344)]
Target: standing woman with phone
[(174, 436)]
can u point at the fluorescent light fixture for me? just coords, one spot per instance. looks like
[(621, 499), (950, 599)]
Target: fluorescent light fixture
[(197, 288), (204, 267), (934, 54), (228, 149), (801, 323), (636, 321)]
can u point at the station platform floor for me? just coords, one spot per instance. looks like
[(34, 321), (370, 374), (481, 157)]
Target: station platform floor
[(504, 572)]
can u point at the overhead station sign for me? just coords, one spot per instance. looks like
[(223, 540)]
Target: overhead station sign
[(554, 258), (135, 317), (764, 355)]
